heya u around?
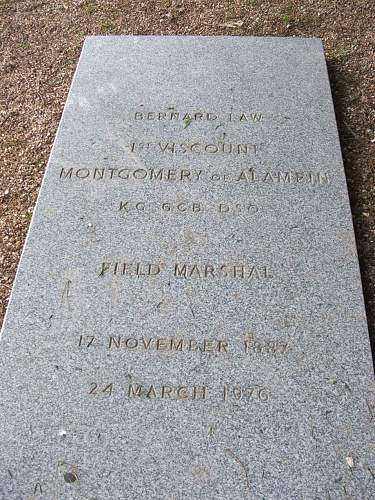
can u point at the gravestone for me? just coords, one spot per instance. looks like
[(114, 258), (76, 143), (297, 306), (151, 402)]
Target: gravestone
[(187, 321)]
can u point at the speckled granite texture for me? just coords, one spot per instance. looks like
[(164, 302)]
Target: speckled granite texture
[(187, 320)]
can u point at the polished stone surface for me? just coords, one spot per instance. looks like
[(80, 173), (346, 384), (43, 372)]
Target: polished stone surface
[(187, 320)]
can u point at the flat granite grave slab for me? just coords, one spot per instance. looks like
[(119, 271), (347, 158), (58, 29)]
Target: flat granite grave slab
[(187, 321)]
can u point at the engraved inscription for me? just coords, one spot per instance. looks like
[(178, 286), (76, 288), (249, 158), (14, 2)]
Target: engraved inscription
[(188, 270), (173, 115), (222, 271), (178, 148), (130, 269), (248, 175), (227, 393), (101, 389), (170, 344), (182, 344), (86, 340), (187, 207), (249, 393), (266, 347), (168, 392)]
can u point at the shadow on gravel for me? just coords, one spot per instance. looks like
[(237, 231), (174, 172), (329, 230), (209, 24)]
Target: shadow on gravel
[(352, 149)]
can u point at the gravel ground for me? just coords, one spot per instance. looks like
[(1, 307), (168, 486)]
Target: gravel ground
[(40, 45)]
